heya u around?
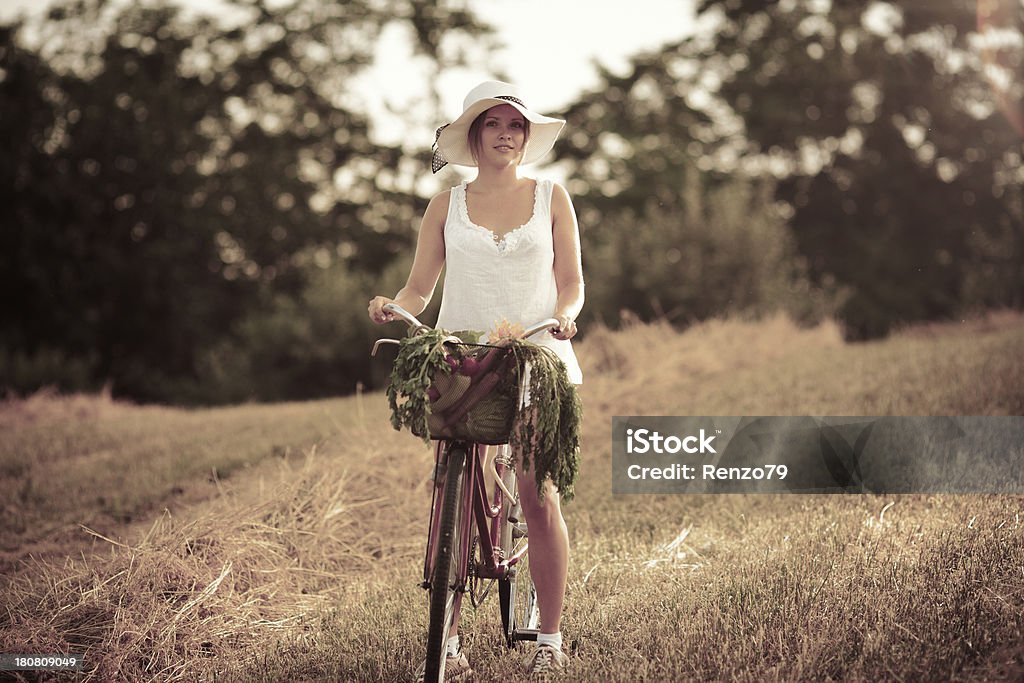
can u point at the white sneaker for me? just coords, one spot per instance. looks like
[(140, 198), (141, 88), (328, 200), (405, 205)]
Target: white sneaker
[(456, 668), (544, 662)]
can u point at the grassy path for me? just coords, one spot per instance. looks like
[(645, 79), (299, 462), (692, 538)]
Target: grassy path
[(73, 461), (300, 559)]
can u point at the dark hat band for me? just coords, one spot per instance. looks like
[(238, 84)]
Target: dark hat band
[(437, 160), (511, 99)]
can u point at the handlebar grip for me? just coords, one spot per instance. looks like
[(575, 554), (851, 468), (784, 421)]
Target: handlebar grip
[(405, 315), (549, 324)]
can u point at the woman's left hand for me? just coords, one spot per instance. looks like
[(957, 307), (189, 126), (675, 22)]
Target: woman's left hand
[(566, 327)]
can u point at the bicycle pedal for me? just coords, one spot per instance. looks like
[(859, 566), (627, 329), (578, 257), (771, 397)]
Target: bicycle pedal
[(514, 513)]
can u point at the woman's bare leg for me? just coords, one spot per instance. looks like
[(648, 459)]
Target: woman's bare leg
[(548, 548)]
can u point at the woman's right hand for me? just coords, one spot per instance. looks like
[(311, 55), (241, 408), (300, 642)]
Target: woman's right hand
[(376, 310)]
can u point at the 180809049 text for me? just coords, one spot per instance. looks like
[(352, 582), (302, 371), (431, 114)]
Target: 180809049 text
[(41, 662)]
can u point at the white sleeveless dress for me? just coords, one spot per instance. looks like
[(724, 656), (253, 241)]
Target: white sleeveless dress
[(512, 278)]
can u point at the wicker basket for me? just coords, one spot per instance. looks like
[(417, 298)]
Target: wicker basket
[(477, 407)]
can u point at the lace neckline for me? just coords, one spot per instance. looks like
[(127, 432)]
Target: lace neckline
[(501, 241)]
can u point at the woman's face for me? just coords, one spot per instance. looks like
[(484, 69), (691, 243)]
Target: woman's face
[(501, 136)]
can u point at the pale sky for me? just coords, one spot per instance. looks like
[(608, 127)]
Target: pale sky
[(551, 47), (551, 44)]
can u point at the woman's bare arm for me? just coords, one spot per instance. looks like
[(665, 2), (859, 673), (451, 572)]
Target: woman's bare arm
[(426, 265), (568, 264)]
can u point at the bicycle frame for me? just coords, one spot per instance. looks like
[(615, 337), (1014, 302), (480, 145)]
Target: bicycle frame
[(476, 510)]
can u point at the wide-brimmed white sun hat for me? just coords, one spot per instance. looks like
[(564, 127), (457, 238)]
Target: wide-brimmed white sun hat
[(451, 142)]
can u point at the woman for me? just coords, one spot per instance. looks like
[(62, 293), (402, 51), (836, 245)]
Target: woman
[(512, 249)]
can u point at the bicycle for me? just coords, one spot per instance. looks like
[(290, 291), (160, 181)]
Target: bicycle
[(473, 539)]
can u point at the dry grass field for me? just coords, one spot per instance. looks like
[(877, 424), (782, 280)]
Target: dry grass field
[(284, 542)]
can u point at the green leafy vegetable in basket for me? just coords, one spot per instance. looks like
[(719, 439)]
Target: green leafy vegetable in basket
[(420, 358), (548, 430), (429, 368)]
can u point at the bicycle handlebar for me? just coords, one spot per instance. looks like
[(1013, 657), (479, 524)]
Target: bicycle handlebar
[(416, 325), (405, 315)]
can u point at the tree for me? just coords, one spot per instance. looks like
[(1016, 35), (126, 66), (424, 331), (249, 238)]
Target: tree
[(903, 173), (665, 233), (874, 131), (174, 177)]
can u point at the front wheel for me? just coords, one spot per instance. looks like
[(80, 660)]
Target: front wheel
[(445, 593)]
